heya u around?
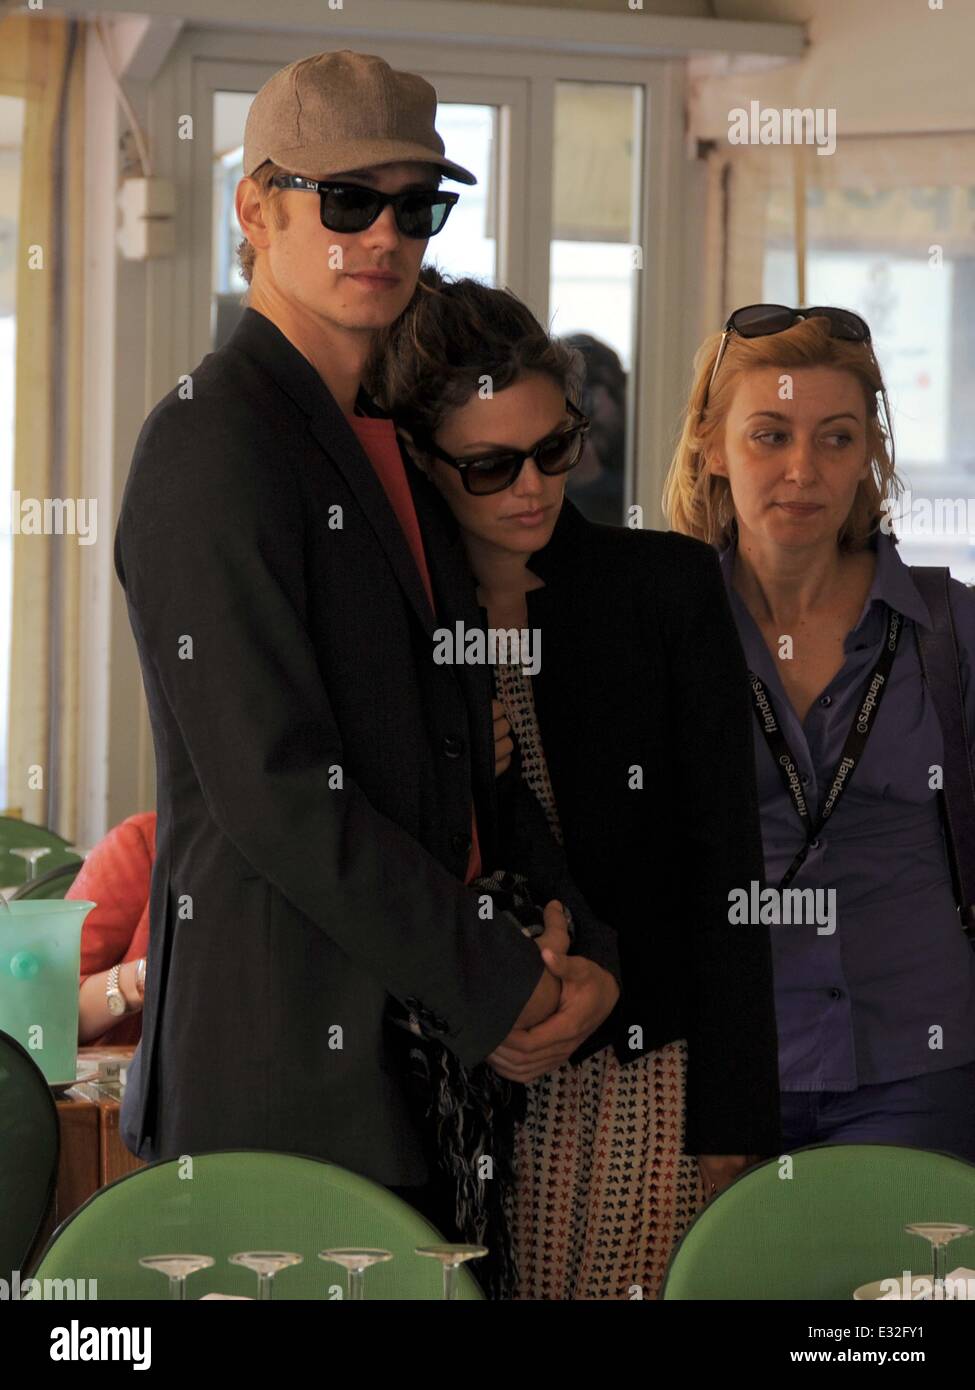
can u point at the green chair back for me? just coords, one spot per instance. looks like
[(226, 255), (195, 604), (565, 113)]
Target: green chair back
[(29, 1144), (223, 1203), (21, 834), (835, 1223), (53, 884)]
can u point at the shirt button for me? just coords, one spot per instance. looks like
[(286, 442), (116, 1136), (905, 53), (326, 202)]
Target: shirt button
[(815, 844), (826, 701), (453, 747), (835, 993), (805, 781), (460, 844)]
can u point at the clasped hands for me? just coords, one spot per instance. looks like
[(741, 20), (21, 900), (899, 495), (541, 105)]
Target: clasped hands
[(570, 1001)]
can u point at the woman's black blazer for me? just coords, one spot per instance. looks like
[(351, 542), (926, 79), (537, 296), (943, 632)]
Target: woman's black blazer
[(643, 707)]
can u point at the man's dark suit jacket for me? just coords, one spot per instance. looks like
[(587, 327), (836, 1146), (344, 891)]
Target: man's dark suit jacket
[(641, 668), (315, 774)]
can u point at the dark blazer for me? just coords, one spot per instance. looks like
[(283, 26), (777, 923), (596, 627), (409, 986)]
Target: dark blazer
[(315, 773), (641, 667)]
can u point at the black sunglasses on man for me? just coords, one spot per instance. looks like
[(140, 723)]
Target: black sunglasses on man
[(352, 207)]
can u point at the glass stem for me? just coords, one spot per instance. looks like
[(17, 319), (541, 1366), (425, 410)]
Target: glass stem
[(940, 1268), (450, 1281), (357, 1285), (177, 1286), (263, 1287)]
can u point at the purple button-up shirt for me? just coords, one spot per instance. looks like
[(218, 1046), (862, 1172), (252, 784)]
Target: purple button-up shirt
[(865, 1004)]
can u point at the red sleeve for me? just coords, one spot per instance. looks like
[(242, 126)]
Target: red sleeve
[(115, 876)]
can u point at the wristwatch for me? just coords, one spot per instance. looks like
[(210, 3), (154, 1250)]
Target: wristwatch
[(116, 999)]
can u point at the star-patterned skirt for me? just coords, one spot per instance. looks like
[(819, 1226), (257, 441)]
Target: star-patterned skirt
[(603, 1191)]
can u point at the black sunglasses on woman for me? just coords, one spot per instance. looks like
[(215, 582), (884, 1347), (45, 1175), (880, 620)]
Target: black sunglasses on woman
[(483, 474)]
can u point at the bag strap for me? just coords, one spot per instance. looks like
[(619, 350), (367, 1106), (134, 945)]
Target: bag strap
[(940, 667)]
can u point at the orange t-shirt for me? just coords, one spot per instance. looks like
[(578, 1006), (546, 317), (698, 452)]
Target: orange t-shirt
[(378, 439)]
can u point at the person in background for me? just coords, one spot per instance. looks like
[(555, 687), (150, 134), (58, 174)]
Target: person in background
[(597, 484), (115, 877), (639, 671), (785, 467)]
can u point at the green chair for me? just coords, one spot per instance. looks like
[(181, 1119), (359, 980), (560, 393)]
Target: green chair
[(222, 1203), (53, 884), (21, 834), (29, 1146), (835, 1224)]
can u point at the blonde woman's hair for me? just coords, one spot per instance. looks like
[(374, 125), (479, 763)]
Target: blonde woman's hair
[(699, 503), (273, 200)]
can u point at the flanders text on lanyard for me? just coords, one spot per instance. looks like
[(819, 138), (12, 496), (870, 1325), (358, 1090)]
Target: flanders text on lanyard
[(856, 741)]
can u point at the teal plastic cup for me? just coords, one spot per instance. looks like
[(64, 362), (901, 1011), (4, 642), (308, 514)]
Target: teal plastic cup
[(40, 965)]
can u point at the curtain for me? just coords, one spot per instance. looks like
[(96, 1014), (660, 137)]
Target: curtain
[(42, 62)]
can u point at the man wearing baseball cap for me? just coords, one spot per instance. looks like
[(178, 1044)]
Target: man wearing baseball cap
[(325, 790)]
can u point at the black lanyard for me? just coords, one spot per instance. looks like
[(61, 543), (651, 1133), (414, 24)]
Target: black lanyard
[(856, 741)]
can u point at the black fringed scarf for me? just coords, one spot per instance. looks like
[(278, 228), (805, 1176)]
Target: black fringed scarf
[(473, 1114)]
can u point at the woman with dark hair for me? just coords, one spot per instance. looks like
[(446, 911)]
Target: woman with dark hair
[(787, 468), (633, 731)]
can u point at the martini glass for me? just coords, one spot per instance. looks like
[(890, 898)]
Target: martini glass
[(177, 1268), (265, 1264), (938, 1234), (32, 856), (355, 1262), (451, 1257)]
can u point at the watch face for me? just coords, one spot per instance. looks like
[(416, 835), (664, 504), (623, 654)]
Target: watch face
[(116, 1004)]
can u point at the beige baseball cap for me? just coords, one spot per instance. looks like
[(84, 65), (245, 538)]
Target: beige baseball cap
[(336, 111)]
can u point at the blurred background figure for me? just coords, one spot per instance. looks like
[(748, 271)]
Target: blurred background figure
[(596, 483)]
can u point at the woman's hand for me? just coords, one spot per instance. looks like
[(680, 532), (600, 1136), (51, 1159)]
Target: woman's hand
[(94, 1015), (555, 936), (503, 742), (719, 1170), (132, 984), (548, 992)]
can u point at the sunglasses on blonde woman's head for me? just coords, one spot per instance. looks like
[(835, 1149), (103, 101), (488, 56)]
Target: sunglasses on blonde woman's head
[(763, 320), (483, 474), (352, 207)]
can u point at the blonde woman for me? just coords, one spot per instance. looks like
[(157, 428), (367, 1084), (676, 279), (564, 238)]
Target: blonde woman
[(785, 465)]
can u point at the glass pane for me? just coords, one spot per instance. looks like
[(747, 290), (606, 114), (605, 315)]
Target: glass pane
[(11, 140), (229, 116), (595, 262), (466, 246), (870, 249)]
